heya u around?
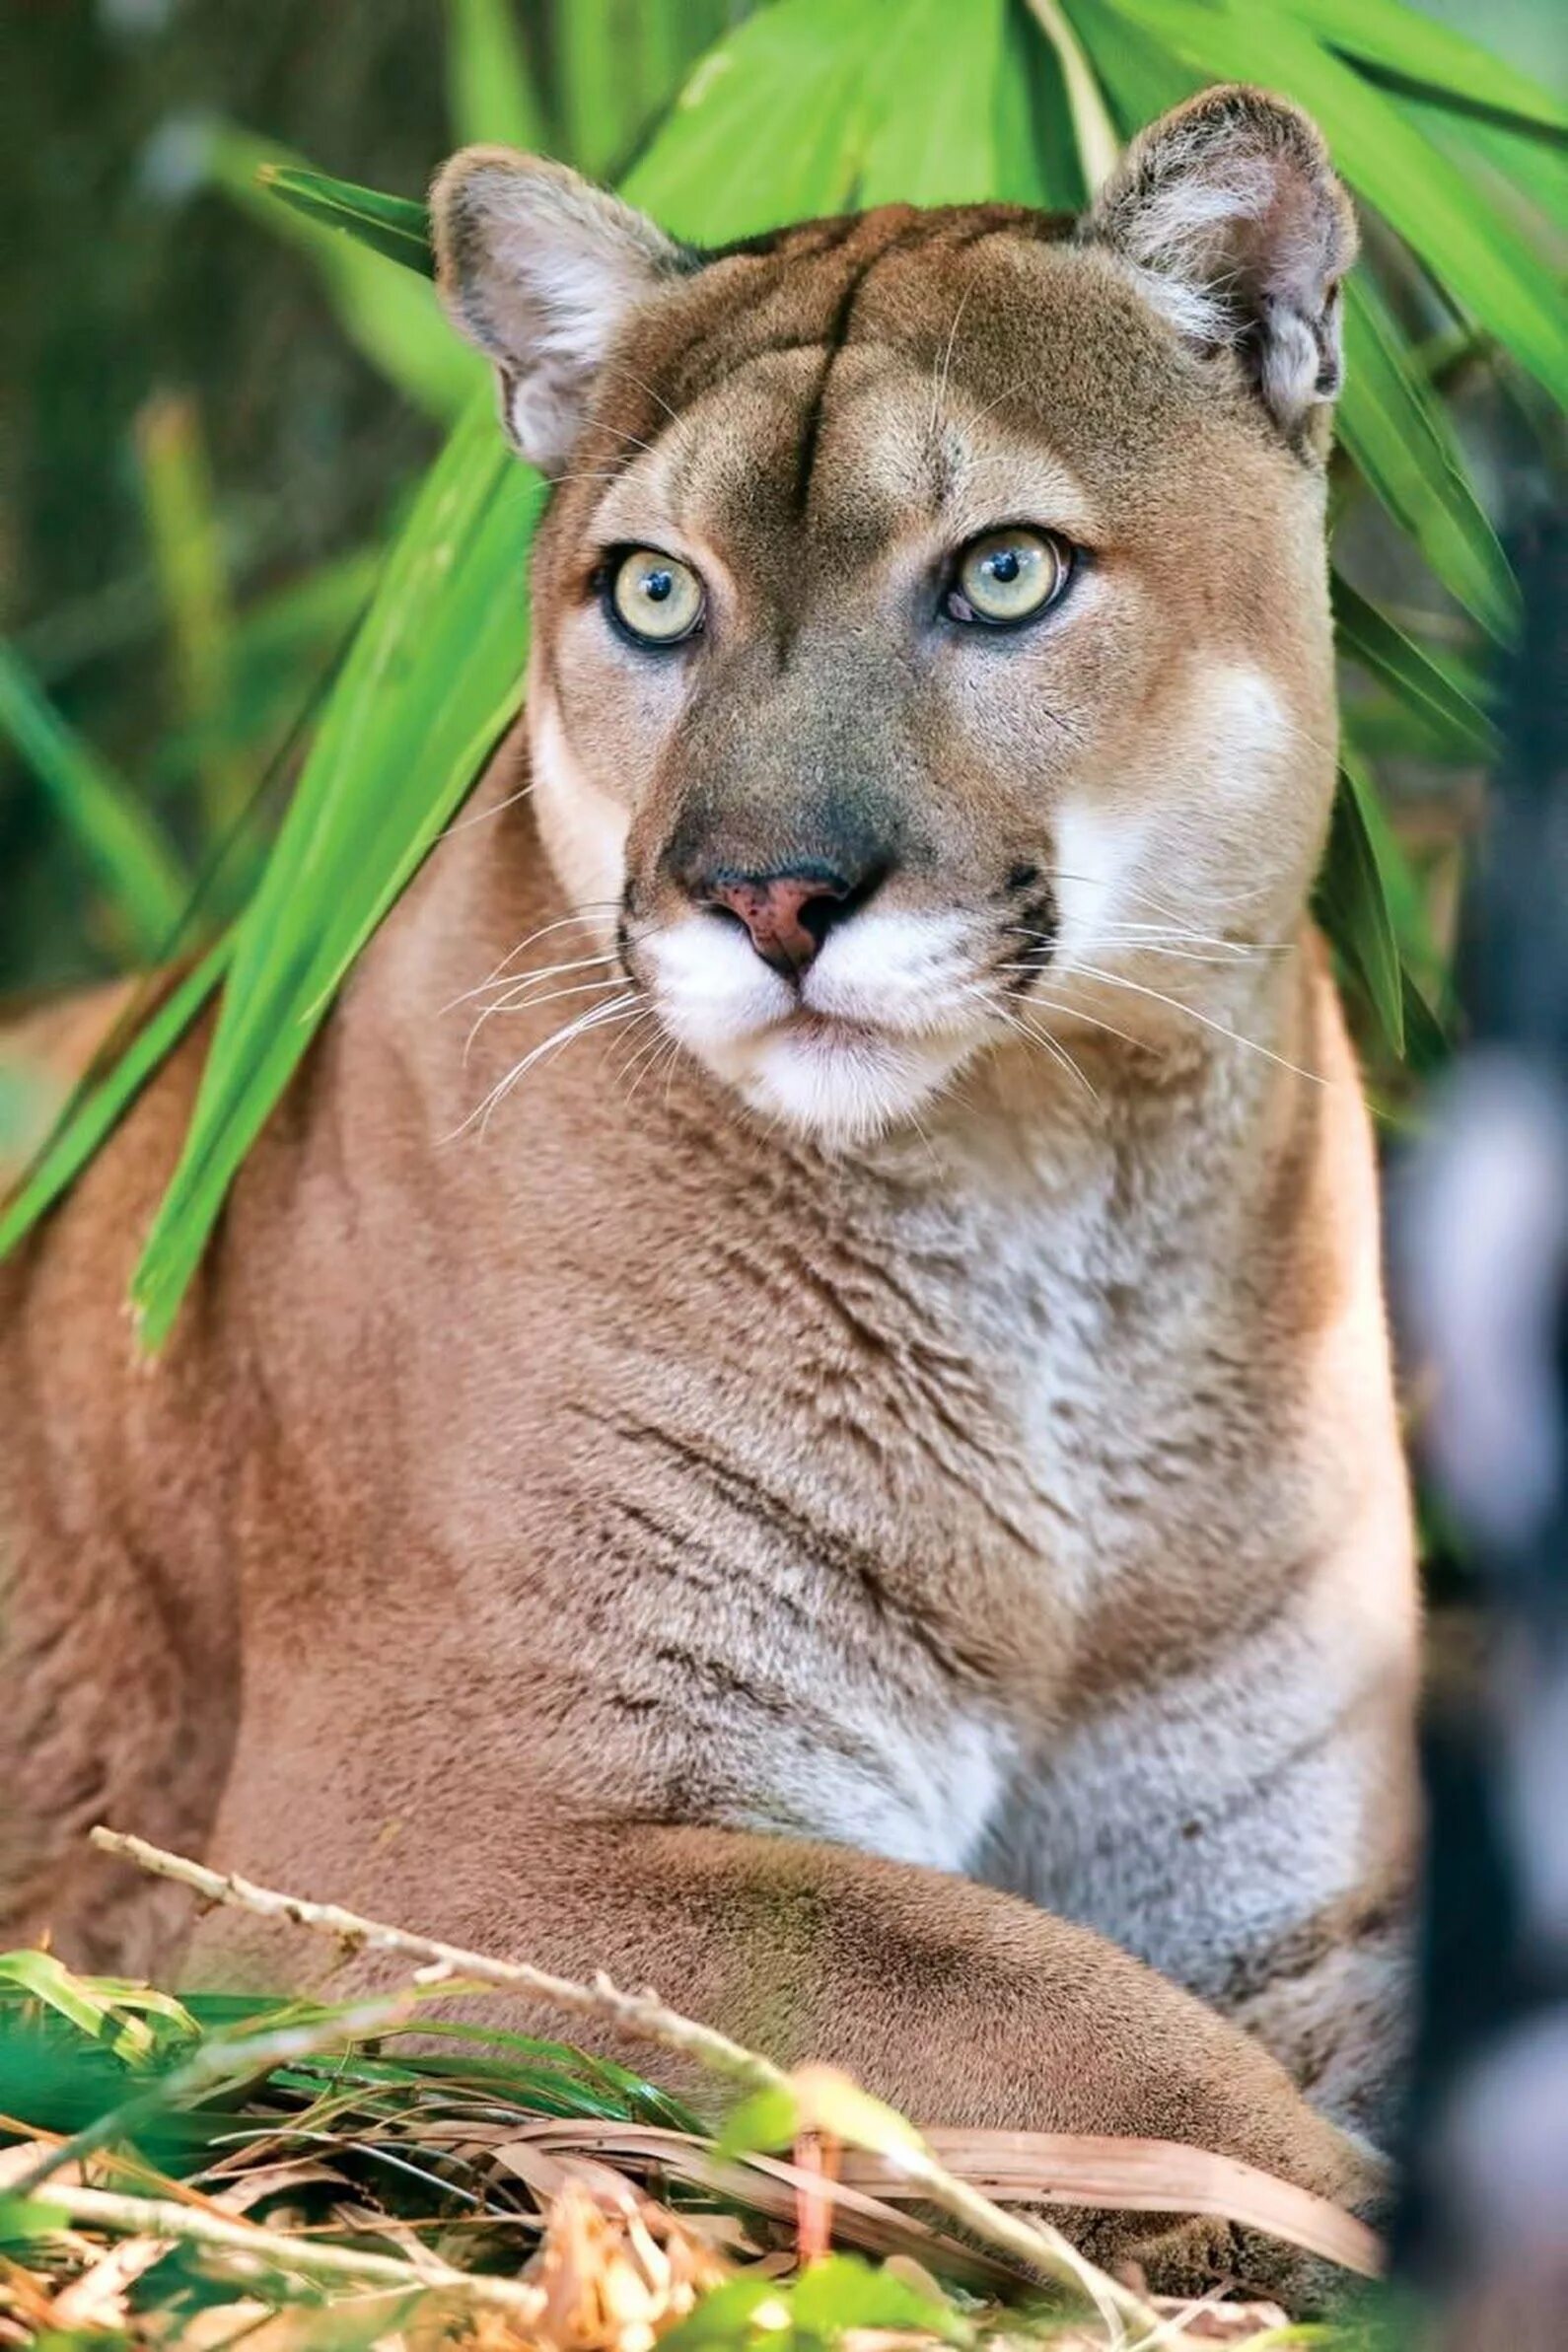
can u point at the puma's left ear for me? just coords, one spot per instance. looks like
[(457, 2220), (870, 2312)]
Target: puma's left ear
[(541, 269), (1229, 211)]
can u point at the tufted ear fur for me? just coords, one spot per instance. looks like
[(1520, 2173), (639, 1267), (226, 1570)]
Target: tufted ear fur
[(540, 270), (1229, 211)]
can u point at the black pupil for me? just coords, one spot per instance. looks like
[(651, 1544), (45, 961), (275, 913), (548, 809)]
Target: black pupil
[(656, 585), (1004, 565)]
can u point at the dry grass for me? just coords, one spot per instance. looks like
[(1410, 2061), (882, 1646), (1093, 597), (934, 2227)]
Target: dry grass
[(295, 2178)]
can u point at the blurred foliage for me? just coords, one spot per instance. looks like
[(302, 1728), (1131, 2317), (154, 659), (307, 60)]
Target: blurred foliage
[(218, 402)]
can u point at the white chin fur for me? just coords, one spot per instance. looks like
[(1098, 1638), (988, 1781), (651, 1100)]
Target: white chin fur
[(891, 1021), (845, 1089)]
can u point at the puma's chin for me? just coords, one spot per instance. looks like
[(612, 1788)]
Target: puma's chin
[(838, 1081), (884, 1017)]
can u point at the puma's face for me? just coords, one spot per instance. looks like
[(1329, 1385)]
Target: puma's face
[(930, 635)]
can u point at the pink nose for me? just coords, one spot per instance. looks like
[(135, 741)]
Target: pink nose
[(788, 916)]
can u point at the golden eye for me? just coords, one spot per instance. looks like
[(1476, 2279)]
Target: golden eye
[(657, 597), (1008, 576)]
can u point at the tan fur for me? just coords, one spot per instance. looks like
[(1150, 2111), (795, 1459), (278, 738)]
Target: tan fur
[(767, 1522)]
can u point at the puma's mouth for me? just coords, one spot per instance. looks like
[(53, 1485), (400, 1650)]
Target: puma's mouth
[(845, 1050), (828, 1029)]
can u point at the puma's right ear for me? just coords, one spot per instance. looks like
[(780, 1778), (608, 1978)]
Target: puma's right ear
[(1230, 213), (540, 268)]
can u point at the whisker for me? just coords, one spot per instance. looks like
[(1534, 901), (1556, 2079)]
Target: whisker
[(511, 982), (1101, 881), (554, 996), (939, 389), (626, 440), (597, 1017), (649, 1057), (583, 915), (637, 1050), (461, 825), (1021, 385), (1230, 960), (1052, 1045), (616, 369), (1051, 1004), (1115, 980)]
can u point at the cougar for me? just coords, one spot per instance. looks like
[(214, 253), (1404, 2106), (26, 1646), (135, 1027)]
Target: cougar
[(840, 1460)]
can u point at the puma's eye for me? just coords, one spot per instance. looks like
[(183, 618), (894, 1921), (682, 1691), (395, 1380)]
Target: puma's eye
[(1008, 576), (655, 598)]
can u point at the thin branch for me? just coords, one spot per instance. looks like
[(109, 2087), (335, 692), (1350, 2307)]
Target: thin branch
[(642, 2017)]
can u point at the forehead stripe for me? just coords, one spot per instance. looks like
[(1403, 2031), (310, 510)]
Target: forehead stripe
[(836, 338)]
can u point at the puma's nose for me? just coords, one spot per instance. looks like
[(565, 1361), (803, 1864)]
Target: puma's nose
[(788, 916)]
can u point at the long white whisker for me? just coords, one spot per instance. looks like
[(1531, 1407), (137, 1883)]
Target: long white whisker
[(469, 817), (513, 985), (1021, 385), (585, 914), (1051, 1004), (1052, 1045), (1101, 881), (1113, 979), (651, 1064), (554, 997), (595, 1016)]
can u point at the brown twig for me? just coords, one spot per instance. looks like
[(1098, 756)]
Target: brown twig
[(641, 2015)]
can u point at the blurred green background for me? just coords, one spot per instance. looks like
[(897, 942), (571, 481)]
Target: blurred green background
[(208, 429)]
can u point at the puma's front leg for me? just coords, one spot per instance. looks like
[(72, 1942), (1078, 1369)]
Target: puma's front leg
[(960, 2004), (1251, 1834)]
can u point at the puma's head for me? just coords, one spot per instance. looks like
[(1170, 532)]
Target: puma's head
[(930, 637)]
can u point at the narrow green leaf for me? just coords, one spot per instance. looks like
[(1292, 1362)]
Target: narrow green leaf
[(1479, 258), (183, 527), (1401, 444), (1523, 177), (1422, 50), (42, 1977), (396, 227), (1405, 892), (1037, 156), (434, 676), (1093, 131), (766, 2119), (1352, 905), (1381, 646), (309, 612), (138, 868), (351, 234), (490, 89), (97, 1111), (1140, 75), (1428, 1040), (843, 2291)]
